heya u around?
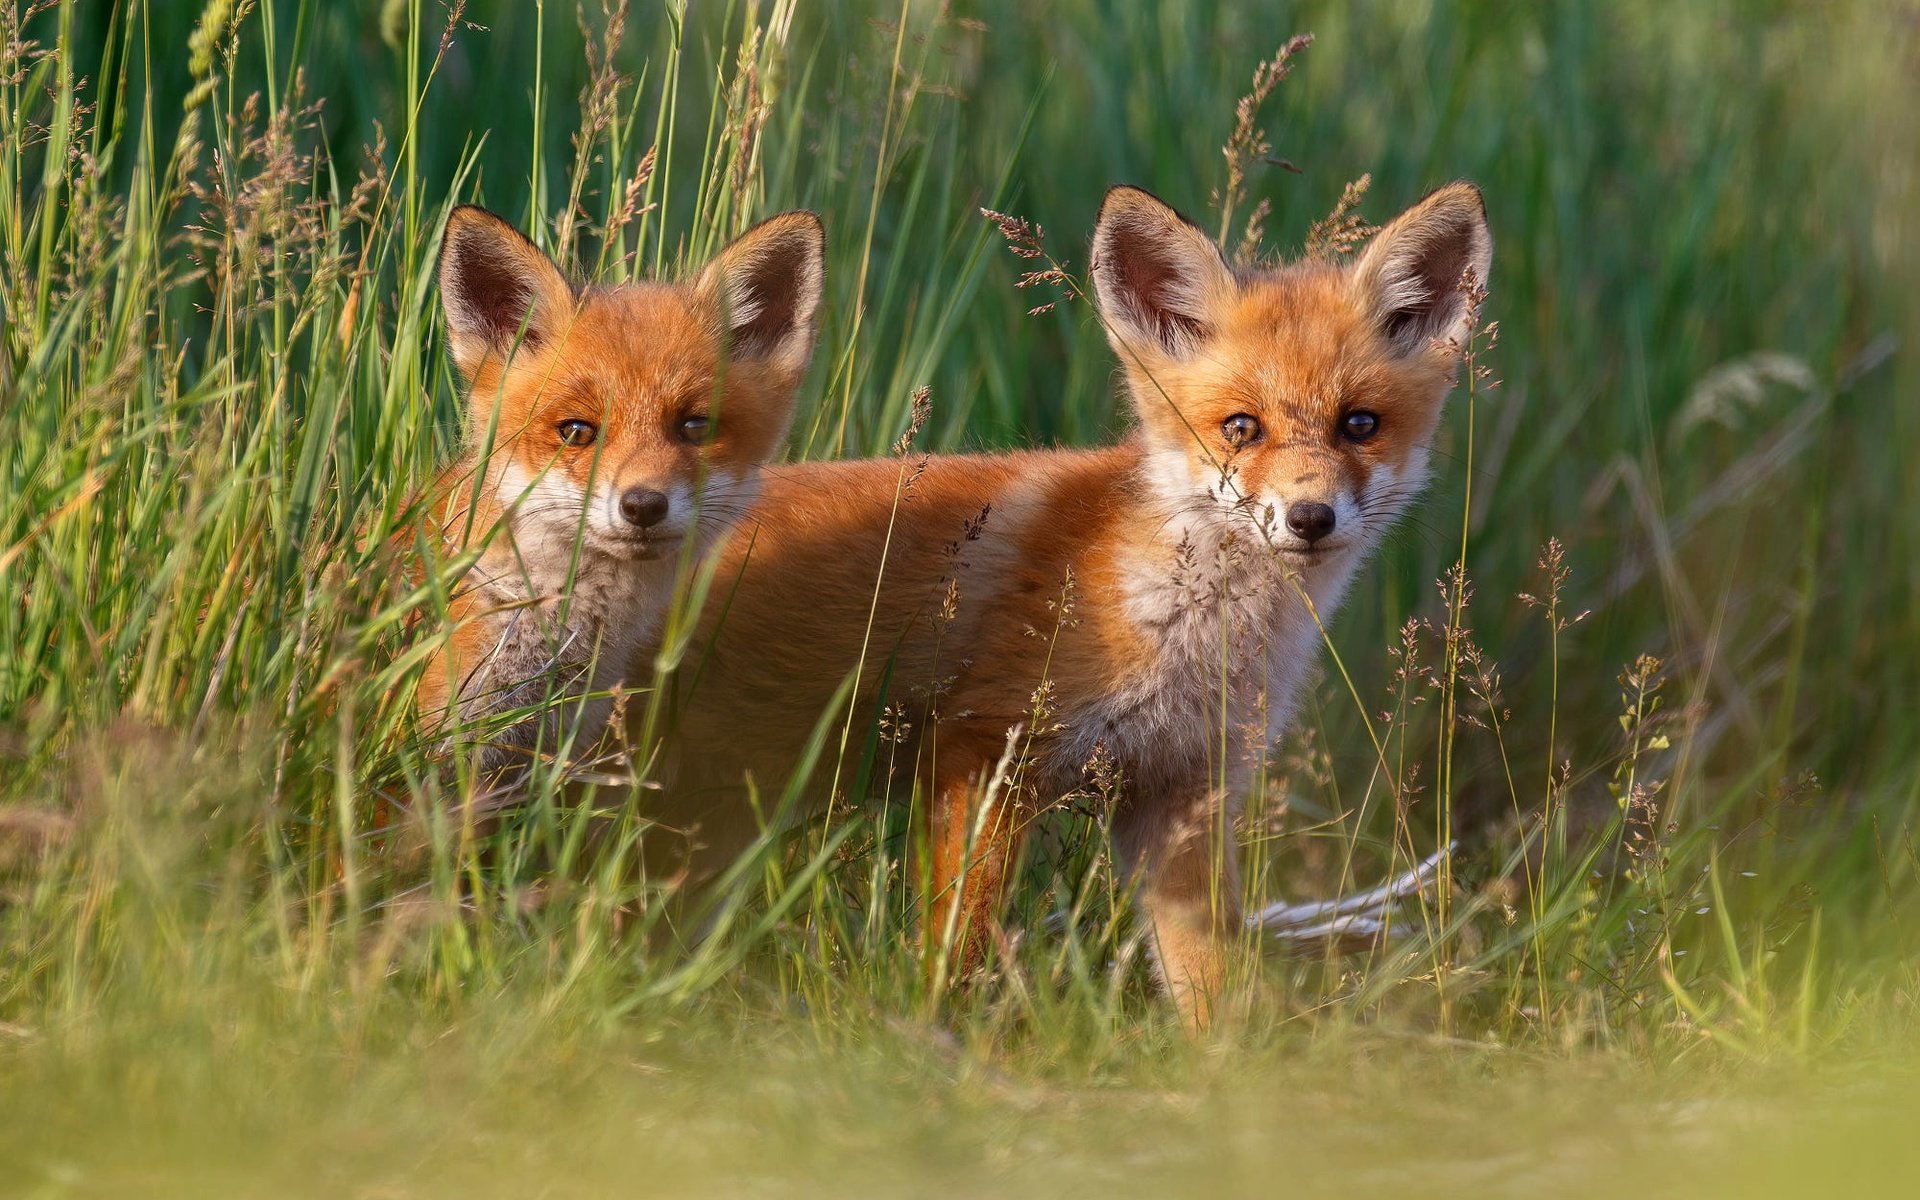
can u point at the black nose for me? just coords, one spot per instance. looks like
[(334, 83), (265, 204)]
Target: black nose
[(1310, 519), (643, 506)]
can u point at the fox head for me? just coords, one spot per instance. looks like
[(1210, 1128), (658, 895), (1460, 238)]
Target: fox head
[(1302, 398), (631, 416)]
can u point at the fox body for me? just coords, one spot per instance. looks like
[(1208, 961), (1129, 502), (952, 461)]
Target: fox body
[(615, 433), (1143, 613)]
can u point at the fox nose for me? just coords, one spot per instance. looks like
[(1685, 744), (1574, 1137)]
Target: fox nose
[(1310, 519), (643, 507)]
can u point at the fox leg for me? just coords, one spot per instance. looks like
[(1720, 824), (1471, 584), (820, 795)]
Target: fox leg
[(1183, 857), (974, 835)]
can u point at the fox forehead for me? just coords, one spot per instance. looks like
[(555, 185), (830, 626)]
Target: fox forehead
[(1294, 338), (1296, 349), (625, 358), (632, 361), (638, 343)]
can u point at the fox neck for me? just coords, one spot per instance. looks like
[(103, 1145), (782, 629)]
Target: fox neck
[(582, 599), (1223, 605), (598, 603), (554, 621)]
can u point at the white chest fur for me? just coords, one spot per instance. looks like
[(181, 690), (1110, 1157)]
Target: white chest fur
[(558, 628), (1232, 634)]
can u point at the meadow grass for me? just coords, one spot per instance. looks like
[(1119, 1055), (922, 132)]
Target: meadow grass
[(1647, 653)]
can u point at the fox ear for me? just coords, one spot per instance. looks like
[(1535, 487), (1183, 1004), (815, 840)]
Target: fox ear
[(1409, 276), (497, 289), (1159, 278), (768, 284)]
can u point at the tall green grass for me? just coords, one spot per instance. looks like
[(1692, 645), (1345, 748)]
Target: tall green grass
[(1660, 696)]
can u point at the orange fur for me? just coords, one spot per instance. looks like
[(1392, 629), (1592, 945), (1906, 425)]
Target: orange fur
[(1124, 605)]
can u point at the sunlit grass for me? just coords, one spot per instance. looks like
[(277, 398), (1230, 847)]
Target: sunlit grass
[(1659, 695)]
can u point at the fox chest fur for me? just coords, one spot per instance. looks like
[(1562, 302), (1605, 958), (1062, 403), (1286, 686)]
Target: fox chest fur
[(551, 622), (1208, 638)]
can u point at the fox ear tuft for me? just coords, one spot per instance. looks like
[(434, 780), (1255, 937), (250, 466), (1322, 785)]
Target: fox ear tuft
[(1410, 275), (768, 284), (497, 289), (1159, 278)]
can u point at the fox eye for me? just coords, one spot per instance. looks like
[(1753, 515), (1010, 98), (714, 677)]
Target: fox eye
[(1359, 425), (1240, 429), (693, 429), (577, 433)]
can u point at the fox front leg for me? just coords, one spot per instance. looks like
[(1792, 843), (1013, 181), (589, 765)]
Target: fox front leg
[(1179, 849), (974, 838)]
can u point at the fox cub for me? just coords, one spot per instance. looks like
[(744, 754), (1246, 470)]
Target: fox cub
[(610, 430), (1148, 610)]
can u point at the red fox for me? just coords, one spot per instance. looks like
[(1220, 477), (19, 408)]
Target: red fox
[(608, 428), (1136, 607)]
